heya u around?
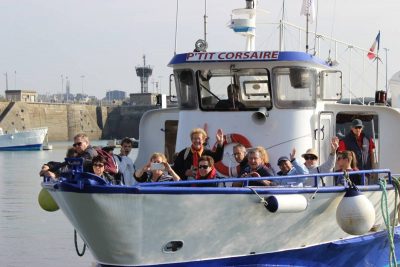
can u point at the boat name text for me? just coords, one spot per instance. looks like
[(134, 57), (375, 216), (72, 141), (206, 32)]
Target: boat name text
[(248, 55)]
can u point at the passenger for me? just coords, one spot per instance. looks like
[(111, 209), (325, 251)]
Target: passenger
[(265, 158), (232, 103), (98, 165), (111, 167), (239, 153), (156, 170), (362, 145), (54, 169), (206, 171), (84, 150), (311, 162), (125, 163), (346, 161), (255, 168), (187, 161), (292, 167)]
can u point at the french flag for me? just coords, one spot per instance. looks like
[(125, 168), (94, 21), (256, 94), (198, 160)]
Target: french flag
[(371, 53)]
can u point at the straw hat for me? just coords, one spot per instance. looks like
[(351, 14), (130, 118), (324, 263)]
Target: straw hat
[(312, 152)]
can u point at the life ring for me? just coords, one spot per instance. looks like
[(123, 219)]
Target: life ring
[(229, 139)]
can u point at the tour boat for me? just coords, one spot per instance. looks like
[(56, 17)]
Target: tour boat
[(30, 139), (291, 100)]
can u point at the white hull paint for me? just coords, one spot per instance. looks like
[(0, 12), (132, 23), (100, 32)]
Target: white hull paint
[(131, 229), (21, 140)]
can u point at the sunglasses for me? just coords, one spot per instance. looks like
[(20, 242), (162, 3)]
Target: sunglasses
[(98, 165), (203, 167), (310, 158), (77, 144)]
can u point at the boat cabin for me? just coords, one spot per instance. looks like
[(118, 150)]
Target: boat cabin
[(278, 100)]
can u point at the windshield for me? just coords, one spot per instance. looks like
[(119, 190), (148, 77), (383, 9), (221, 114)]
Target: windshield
[(234, 90)]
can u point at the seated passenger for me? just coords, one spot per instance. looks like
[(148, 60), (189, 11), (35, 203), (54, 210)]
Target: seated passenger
[(98, 163), (311, 161), (265, 158), (346, 161), (187, 161), (255, 168), (156, 170), (54, 169), (206, 170), (291, 167), (239, 153), (232, 103)]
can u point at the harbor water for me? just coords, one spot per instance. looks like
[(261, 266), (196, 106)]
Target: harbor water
[(30, 236)]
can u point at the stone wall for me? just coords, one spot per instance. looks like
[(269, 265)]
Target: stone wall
[(63, 120)]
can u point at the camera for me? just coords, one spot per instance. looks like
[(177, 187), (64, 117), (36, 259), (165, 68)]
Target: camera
[(156, 166)]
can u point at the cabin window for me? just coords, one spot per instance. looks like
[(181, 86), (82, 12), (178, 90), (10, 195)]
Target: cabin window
[(295, 87), (186, 89), (331, 85), (234, 89)]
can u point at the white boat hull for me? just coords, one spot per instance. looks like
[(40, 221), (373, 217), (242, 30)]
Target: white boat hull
[(132, 228), (31, 139)]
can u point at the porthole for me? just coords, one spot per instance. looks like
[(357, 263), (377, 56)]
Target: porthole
[(172, 246)]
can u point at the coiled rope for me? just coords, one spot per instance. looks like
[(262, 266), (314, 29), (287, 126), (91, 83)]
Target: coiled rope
[(80, 254), (386, 216)]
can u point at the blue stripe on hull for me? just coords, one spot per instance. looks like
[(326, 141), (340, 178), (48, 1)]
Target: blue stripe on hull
[(369, 250), (20, 148)]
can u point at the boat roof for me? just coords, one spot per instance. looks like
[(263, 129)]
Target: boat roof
[(244, 56)]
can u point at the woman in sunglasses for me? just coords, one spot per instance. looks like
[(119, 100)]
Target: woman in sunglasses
[(98, 163), (205, 171), (346, 161), (311, 162), (156, 170)]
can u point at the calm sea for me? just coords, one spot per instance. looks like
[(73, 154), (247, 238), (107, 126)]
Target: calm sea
[(30, 236)]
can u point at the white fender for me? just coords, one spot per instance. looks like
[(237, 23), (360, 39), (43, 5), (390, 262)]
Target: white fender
[(286, 203), (355, 214)]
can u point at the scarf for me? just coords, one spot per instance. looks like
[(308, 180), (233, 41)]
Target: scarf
[(211, 175), (196, 155)]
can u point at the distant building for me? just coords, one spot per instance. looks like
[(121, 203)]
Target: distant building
[(21, 95), (115, 95)]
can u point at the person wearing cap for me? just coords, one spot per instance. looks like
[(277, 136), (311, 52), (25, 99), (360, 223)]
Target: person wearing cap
[(311, 161), (291, 167), (363, 146)]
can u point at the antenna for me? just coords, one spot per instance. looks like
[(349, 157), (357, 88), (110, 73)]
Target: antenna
[(176, 24), (205, 20)]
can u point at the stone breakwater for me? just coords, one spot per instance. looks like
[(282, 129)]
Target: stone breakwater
[(66, 120)]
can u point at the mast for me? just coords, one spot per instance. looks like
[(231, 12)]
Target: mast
[(205, 20)]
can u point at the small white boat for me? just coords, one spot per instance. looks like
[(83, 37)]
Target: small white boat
[(31, 139)]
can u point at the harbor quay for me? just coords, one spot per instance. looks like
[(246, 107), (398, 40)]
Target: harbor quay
[(65, 120)]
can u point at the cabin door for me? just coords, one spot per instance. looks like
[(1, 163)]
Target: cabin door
[(171, 129), (323, 135)]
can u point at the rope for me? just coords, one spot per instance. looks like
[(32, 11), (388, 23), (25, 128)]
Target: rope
[(262, 200), (80, 254), (386, 217)]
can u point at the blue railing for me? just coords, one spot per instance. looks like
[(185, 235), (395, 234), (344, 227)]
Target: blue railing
[(76, 175)]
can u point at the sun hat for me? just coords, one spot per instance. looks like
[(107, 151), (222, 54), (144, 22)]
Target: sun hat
[(312, 152)]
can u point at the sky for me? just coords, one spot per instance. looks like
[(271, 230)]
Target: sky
[(98, 43)]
